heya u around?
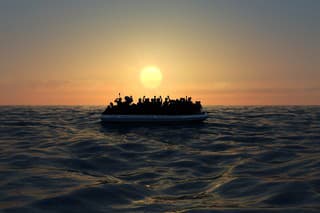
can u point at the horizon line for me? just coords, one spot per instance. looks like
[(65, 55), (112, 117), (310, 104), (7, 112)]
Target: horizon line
[(206, 105)]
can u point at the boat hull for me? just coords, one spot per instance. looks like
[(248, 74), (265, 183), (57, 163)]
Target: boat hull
[(153, 118)]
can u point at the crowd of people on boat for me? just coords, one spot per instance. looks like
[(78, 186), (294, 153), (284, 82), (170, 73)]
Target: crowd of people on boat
[(155, 106)]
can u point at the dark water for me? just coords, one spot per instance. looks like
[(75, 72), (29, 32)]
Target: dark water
[(62, 159)]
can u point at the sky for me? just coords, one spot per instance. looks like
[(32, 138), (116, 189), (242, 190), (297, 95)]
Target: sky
[(227, 52)]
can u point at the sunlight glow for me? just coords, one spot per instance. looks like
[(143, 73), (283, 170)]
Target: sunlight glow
[(151, 77)]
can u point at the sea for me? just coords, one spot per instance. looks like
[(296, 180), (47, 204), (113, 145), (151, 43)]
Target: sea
[(242, 159)]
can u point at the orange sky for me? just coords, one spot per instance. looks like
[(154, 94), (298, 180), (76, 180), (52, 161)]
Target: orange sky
[(246, 53)]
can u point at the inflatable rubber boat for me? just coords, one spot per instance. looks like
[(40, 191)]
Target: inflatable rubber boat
[(154, 110), (154, 118)]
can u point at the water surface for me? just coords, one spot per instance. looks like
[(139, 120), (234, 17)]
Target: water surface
[(62, 159)]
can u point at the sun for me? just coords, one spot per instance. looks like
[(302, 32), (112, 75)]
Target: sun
[(151, 77)]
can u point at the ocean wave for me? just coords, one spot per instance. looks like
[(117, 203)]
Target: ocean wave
[(242, 159)]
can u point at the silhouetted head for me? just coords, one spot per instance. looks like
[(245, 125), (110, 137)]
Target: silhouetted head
[(128, 99)]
